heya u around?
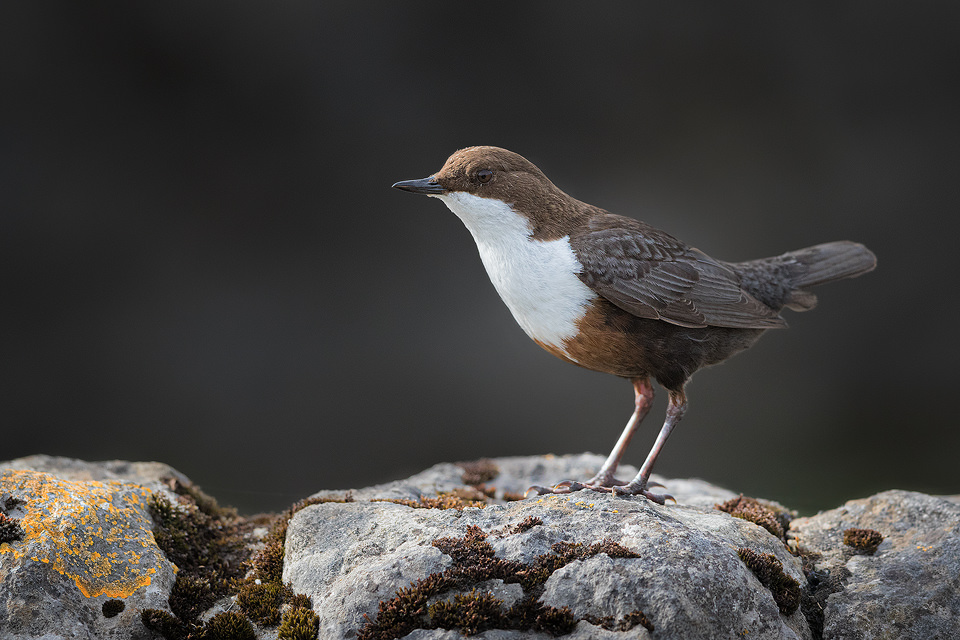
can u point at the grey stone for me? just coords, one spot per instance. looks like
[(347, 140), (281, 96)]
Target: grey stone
[(910, 587), (85, 542), (519, 473), (151, 475), (688, 579)]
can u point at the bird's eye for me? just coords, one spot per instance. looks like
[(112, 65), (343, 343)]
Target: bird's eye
[(484, 175)]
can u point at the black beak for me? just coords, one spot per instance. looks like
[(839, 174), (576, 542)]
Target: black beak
[(426, 186)]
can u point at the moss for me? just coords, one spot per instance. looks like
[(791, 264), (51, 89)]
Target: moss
[(206, 503), (776, 521), (301, 601), (228, 625), (398, 616), (478, 472), (528, 523), (112, 608), (556, 622), (564, 553), (12, 502), (206, 546), (469, 613), (475, 562), (457, 499), (10, 529), (191, 595), (865, 541), (262, 602), (164, 623), (627, 622), (195, 541), (769, 571), (511, 496), (469, 549), (299, 624), (267, 564)]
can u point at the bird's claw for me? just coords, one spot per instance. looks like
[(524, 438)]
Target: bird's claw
[(640, 490), (620, 489)]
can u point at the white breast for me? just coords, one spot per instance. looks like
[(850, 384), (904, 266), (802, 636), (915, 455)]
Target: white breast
[(537, 280)]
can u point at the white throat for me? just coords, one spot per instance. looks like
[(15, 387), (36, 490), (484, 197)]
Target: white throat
[(537, 280)]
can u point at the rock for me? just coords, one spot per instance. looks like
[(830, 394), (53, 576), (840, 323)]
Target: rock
[(154, 476), (908, 588), (514, 475), (581, 566), (84, 544), (685, 575)]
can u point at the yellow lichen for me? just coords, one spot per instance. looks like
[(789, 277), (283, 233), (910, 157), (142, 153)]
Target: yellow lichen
[(65, 521)]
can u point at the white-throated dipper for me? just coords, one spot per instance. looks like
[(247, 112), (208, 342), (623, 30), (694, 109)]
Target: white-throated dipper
[(615, 295)]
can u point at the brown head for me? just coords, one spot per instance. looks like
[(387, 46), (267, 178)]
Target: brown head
[(499, 174)]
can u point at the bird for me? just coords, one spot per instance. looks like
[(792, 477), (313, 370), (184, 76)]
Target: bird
[(613, 294)]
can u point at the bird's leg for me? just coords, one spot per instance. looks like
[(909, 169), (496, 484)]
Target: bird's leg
[(638, 486), (643, 400)]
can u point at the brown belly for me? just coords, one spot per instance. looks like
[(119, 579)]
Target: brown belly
[(613, 341)]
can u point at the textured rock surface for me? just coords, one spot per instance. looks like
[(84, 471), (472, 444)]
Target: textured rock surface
[(580, 566), (909, 587), (515, 475), (84, 543), (687, 578)]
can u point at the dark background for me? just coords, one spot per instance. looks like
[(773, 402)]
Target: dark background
[(202, 261)]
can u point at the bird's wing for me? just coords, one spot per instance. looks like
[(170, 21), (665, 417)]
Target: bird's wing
[(651, 274)]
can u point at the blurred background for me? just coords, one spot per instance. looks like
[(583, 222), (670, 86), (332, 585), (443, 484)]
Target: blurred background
[(202, 261)]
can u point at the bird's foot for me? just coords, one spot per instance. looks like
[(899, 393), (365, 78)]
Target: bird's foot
[(615, 487), (640, 489)]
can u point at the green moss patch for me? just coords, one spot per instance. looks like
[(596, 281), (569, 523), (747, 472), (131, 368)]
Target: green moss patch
[(209, 545), (299, 624)]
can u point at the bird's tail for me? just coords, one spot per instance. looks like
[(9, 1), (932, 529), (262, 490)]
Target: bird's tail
[(783, 281)]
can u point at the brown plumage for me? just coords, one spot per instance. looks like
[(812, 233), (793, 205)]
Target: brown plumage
[(631, 300)]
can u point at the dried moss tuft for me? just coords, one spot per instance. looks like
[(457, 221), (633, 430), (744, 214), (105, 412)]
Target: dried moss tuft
[(457, 499), (865, 541), (478, 471), (525, 525), (469, 613), (10, 529), (164, 623), (773, 520), (475, 562), (769, 571), (627, 622), (112, 608)]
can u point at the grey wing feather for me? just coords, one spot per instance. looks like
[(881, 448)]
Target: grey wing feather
[(650, 274)]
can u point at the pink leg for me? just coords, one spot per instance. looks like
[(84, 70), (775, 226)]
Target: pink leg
[(643, 400), (605, 479), (638, 486)]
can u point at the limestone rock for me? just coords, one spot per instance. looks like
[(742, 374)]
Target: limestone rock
[(909, 587), (686, 577), (74, 536), (84, 543)]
